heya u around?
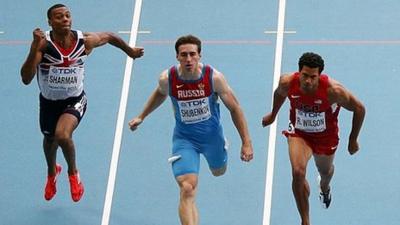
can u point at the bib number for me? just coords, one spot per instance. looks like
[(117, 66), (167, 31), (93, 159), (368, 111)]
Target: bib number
[(311, 122), (65, 77), (194, 111)]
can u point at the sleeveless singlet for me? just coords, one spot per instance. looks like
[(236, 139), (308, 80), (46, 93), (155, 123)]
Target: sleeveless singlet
[(195, 104), (313, 115), (61, 71)]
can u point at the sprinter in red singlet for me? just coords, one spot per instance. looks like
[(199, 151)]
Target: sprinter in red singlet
[(315, 101)]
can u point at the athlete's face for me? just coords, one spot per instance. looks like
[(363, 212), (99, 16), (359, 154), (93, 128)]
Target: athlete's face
[(189, 57), (60, 20), (309, 79)]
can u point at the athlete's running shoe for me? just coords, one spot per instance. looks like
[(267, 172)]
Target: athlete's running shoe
[(76, 187), (324, 197), (51, 184)]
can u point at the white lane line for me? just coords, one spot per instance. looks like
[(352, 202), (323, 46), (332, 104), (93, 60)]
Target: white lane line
[(275, 32), (121, 117), (128, 32), (272, 130), (2, 32)]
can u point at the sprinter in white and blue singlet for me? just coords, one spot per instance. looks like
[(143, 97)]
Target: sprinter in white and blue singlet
[(58, 58), (195, 89)]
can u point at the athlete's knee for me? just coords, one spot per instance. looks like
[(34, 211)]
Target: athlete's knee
[(219, 172), (188, 189), (47, 139), (299, 173), (326, 171), (62, 137)]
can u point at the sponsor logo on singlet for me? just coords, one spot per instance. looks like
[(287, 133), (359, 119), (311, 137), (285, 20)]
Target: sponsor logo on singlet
[(310, 121), (194, 111), (64, 77)]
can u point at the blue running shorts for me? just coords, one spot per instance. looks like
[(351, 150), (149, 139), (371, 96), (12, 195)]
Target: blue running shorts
[(189, 149)]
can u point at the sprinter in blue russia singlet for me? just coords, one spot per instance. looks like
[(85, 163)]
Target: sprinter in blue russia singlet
[(198, 129)]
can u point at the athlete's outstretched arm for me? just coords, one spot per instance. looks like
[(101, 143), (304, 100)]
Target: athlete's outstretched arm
[(280, 95), (156, 99), (238, 118), (96, 39), (340, 95), (28, 69)]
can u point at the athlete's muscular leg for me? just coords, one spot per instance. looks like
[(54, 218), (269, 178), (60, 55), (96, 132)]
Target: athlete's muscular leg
[(50, 152), (326, 169), (187, 207), (65, 127), (300, 153)]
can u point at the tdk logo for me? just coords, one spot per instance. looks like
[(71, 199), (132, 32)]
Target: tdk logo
[(196, 102), (64, 70)]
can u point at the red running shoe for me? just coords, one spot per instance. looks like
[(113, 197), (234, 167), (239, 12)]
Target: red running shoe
[(76, 187), (51, 189)]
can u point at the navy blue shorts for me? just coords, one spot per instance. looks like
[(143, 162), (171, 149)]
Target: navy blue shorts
[(50, 111)]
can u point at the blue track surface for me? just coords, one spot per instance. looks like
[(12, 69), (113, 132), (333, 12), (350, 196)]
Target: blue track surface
[(358, 40)]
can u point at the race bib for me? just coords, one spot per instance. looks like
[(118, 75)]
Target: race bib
[(194, 111), (311, 122), (66, 78)]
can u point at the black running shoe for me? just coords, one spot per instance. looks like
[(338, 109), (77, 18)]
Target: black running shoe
[(325, 198)]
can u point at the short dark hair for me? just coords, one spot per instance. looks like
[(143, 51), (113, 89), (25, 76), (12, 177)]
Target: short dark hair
[(311, 60), (54, 7), (188, 39)]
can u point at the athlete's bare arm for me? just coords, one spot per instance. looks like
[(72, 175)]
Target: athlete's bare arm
[(340, 95), (222, 88), (156, 99), (280, 95), (28, 69), (96, 39)]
